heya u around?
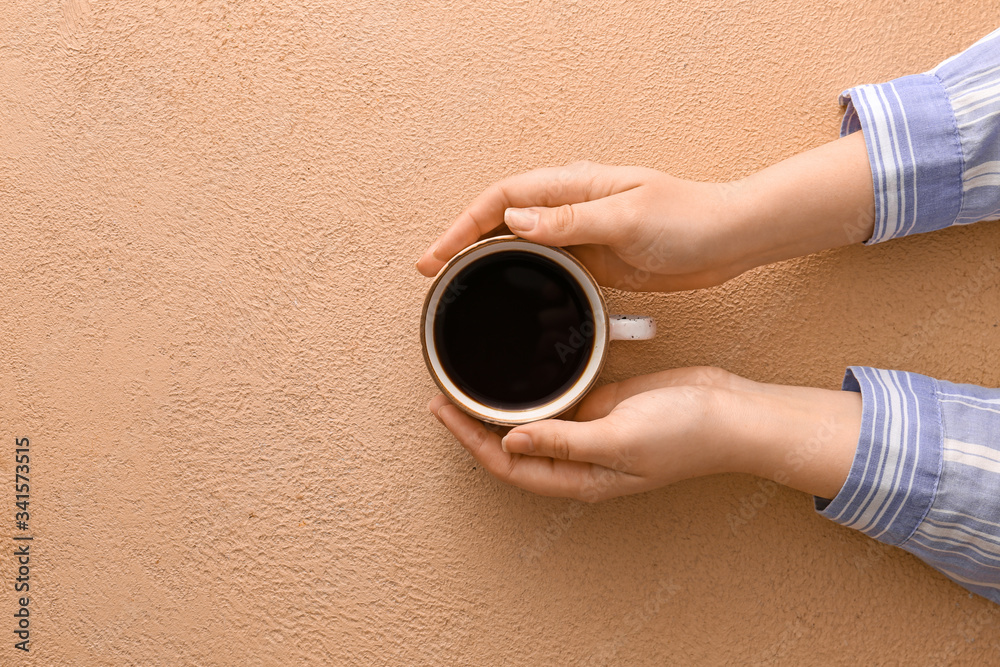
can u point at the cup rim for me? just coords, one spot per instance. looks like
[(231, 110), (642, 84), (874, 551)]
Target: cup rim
[(549, 409)]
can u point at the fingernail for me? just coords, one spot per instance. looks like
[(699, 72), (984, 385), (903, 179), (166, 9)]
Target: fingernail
[(520, 219), (520, 441)]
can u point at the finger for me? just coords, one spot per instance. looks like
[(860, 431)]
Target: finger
[(544, 476), (548, 186), (608, 221), (600, 441)]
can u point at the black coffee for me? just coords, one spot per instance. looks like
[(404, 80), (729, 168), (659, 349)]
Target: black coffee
[(514, 330)]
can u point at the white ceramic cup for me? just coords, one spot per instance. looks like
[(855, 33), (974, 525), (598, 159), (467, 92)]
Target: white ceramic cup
[(606, 328)]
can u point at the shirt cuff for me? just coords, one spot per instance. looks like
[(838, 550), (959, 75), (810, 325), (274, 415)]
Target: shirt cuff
[(914, 151), (894, 475)]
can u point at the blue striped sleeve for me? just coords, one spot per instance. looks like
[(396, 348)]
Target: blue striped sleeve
[(926, 473), (933, 143)]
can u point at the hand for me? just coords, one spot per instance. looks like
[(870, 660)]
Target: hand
[(633, 228), (656, 429), (642, 230)]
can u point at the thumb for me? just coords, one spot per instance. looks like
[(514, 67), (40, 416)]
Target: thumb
[(597, 441), (604, 221)]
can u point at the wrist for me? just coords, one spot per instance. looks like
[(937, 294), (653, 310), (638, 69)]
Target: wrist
[(751, 231), (717, 236), (746, 209), (803, 437), (816, 200)]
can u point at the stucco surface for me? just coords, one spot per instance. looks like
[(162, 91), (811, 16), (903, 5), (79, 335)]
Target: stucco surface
[(209, 319)]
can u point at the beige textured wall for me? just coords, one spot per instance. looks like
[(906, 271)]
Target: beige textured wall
[(209, 314)]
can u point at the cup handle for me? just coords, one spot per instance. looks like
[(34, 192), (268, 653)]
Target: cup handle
[(631, 327)]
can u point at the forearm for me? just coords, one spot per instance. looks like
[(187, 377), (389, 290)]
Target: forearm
[(822, 198), (800, 437)]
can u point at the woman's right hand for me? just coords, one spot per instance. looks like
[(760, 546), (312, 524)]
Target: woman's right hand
[(634, 228), (639, 229)]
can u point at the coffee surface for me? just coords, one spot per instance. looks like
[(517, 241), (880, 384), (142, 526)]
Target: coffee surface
[(514, 330)]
